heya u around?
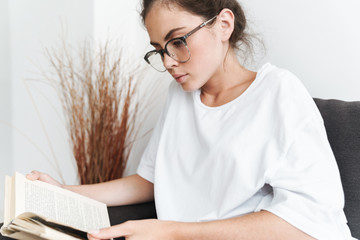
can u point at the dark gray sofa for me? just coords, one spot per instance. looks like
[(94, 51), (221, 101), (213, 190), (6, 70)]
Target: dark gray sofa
[(342, 122)]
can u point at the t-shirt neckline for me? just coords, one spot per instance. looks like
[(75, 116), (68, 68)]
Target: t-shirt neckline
[(248, 90)]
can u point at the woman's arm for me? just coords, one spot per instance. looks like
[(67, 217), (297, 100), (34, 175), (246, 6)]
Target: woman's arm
[(259, 225), (128, 190), (123, 191)]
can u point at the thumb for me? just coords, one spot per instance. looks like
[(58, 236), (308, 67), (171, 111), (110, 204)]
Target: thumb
[(34, 175), (107, 233)]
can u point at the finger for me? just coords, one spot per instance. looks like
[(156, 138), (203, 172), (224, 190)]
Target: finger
[(34, 175), (110, 232), (90, 237), (46, 178)]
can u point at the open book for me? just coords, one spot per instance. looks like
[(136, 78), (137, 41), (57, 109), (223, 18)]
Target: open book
[(37, 210)]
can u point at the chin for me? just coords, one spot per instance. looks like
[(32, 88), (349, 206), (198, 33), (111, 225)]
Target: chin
[(189, 87)]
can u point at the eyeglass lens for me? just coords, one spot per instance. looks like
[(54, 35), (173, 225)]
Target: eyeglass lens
[(176, 49)]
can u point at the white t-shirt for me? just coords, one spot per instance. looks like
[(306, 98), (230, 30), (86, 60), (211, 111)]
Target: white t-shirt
[(265, 150)]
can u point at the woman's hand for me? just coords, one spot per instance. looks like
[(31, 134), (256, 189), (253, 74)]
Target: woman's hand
[(150, 229), (35, 175)]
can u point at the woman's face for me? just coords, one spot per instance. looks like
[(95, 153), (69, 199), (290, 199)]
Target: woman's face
[(165, 22)]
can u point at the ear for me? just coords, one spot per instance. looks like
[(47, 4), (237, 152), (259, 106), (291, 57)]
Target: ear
[(226, 18)]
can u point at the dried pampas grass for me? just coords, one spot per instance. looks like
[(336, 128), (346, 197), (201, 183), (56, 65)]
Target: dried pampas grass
[(98, 92)]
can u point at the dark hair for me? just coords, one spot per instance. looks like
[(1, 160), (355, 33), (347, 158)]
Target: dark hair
[(208, 9)]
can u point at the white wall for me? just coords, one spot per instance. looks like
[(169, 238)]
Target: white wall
[(32, 130), (119, 21), (5, 99), (39, 141), (317, 40)]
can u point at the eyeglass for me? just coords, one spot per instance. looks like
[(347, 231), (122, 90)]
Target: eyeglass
[(175, 48)]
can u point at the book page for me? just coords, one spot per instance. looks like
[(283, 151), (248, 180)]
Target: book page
[(58, 204), (22, 233), (8, 201), (33, 227)]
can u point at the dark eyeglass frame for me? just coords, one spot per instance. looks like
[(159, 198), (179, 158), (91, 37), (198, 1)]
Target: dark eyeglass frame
[(183, 39)]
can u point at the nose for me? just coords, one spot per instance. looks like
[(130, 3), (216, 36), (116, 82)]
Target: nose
[(169, 62)]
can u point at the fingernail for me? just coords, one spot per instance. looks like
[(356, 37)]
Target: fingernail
[(94, 231)]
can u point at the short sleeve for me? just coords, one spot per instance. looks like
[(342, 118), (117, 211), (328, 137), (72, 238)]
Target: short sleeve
[(147, 162), (307, 187)]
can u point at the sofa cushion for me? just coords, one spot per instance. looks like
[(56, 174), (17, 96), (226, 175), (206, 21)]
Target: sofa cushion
[(121, 214), (342, 123)]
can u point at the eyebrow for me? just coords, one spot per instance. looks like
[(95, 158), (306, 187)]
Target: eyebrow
[(168, 35)]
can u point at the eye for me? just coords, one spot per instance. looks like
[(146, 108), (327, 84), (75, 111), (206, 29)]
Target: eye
[(177, 43)]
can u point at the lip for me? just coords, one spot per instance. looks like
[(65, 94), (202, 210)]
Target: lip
[(179, 77)]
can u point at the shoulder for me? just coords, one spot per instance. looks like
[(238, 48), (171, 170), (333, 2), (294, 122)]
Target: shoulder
[(276, 78), (286, 92)]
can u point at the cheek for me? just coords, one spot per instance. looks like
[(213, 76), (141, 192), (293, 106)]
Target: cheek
[(205, 54)]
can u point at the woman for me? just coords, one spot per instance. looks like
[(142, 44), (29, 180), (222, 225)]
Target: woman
[(235, 154)]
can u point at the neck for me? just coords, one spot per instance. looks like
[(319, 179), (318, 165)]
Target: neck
[(229, 82)]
